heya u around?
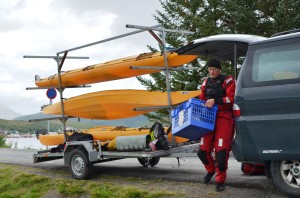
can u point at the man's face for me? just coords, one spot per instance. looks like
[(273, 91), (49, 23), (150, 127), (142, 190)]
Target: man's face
[(214, 72)]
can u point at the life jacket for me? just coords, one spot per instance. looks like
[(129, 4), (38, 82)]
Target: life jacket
[(214, 87)]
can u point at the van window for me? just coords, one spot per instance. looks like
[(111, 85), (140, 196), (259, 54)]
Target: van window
[(276, 63)]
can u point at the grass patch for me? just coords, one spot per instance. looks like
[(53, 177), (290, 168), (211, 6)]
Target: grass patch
[(18, 181), (15, 183), (111, 191), (134, 179), (71, 187), (103, 191), (106, 190)]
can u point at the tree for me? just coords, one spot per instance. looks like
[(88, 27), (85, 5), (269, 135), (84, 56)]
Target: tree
[(210, 17)]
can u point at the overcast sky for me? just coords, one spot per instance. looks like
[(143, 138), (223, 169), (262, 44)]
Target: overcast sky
[(35, 27)]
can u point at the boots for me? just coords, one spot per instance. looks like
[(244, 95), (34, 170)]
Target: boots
[(220, 187), (208, 177)]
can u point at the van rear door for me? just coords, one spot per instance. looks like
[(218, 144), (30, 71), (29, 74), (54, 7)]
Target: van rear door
[(225, 47)]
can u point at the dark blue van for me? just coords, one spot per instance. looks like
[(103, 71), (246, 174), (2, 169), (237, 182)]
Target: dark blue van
[(267, 101), (268, 104)]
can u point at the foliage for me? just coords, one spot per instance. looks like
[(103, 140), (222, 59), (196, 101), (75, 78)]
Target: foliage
[(3, 143), (211, 17)]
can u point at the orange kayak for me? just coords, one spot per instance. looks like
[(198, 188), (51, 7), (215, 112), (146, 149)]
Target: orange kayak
[(114, 70), (117, 104), (102, 133)]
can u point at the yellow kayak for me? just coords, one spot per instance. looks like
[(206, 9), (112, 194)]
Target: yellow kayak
[(102, 133), (116, 69), (117, 104)]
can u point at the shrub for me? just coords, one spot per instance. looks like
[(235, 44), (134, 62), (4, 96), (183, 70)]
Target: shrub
[(3, 143)]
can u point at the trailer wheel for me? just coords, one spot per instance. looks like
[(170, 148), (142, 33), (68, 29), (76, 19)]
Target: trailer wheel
[(79, 164), (148, 162), (286, 176)]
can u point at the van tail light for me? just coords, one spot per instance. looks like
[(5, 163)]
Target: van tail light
[(236, 110)]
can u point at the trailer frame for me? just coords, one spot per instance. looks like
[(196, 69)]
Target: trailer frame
[(80, 156)]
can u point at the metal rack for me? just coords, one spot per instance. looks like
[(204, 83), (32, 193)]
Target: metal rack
[(92, 150), (61, 59)]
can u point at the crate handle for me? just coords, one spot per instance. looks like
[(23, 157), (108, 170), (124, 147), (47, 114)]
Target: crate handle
[(180, 108), (184, 106)]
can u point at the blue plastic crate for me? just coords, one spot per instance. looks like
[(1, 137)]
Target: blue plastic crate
[(192, 119)]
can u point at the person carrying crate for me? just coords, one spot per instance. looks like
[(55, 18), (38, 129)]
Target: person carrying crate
[(217, 89)]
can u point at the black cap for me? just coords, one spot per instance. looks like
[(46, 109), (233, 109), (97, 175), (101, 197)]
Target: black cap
[(214, 63)]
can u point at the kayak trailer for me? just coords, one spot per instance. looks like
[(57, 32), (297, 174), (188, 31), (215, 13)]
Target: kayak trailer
[(80, 156)]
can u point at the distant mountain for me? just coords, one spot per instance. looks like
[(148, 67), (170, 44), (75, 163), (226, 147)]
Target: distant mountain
[(8, 114), (138, 121), (33, 116)]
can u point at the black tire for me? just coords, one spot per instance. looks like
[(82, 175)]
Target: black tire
[(80, 165), (285, 175), (146, 162)]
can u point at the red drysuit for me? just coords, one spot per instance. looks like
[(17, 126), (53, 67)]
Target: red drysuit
[(222, 90)]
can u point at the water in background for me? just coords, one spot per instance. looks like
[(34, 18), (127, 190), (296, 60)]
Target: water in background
[(25, 143)]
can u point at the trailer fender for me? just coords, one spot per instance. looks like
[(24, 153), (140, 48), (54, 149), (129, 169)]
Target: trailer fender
[(86, 146)]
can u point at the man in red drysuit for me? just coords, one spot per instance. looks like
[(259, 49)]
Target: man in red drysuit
[(217, 89)]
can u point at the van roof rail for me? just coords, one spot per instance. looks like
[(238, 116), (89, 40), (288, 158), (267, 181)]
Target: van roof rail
[(286, 32)]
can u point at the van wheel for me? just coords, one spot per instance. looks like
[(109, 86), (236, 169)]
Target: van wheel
[(148, 162), (79, 164), (286, 176)]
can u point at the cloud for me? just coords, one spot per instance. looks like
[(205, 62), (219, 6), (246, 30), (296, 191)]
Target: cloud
[(34, 27)]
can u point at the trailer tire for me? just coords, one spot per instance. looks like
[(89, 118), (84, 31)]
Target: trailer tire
[(147, 162), (284, 174), (80, 165)]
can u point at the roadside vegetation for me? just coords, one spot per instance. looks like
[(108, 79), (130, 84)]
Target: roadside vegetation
[(25, 127), (3, 143), (20, 182), (30, 127)]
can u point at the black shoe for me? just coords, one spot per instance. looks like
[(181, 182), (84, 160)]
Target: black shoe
[(220, 187), (208, 177)]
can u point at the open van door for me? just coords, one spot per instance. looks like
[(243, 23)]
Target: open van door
[(225, 47)]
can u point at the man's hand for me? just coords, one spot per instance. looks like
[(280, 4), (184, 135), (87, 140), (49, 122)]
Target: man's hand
[(210, 103)]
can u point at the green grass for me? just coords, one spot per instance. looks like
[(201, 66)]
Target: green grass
[(106, 190), (17, 181), (71, 187), (3, 143)]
